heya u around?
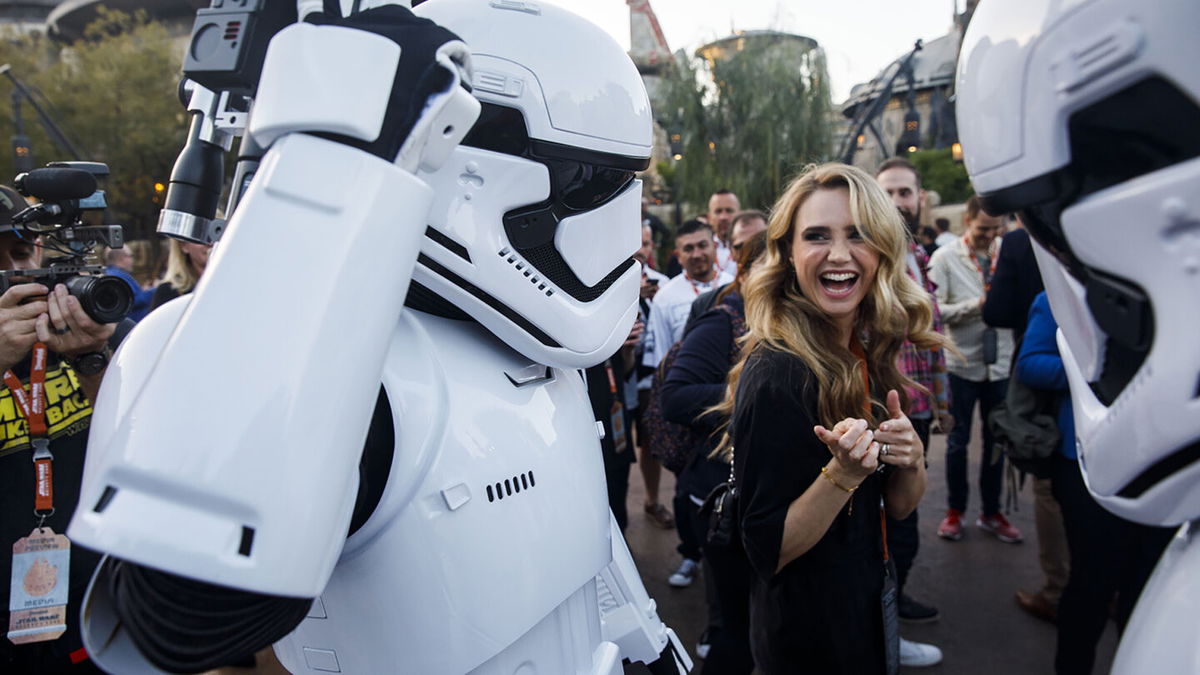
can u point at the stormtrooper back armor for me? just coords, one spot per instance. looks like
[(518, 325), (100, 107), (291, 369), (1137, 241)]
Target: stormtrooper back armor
[(1084, 118), (488, 548)]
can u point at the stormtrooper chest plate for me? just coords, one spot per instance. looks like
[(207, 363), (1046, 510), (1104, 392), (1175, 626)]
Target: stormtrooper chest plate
[(494, 512)]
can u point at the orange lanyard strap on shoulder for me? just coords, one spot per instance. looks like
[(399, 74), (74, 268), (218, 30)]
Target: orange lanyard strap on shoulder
[(992, 255), (857, 349), (32, 405)]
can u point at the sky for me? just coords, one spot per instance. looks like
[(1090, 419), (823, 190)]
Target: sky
[(859, 37)]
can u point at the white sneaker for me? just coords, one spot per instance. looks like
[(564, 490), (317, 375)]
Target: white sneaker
[(685, 575), (918, 654)]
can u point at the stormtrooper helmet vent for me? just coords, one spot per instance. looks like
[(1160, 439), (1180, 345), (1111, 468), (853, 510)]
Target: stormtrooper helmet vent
[(526, 270)]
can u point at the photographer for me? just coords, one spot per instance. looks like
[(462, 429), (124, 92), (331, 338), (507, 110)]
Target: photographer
[(37, 321)]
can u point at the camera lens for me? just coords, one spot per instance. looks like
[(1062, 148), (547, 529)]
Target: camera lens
[(106, 299)]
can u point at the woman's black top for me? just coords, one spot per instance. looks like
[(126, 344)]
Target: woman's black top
[(821, 613), (163, 293), (695, 383)]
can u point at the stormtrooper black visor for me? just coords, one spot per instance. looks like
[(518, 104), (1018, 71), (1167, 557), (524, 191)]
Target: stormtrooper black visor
[(580, 180)]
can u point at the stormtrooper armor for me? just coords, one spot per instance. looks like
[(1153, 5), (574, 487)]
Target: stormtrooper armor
[(1082, 117), (442, 423)]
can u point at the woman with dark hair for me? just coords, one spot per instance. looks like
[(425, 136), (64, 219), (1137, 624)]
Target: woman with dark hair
[(695, 383), (820, 444)]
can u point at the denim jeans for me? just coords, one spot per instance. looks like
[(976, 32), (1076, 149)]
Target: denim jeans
[(963, 396)]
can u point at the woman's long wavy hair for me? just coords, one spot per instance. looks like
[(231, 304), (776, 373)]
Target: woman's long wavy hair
[(895, 308)]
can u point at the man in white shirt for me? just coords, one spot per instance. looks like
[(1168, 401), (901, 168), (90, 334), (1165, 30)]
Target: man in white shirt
[(723, 205), (962, 271), (695, 249), (746, 224)]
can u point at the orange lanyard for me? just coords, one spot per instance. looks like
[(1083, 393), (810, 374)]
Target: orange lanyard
[(33, 406), (612, 380), (857, 349), (992, 255)]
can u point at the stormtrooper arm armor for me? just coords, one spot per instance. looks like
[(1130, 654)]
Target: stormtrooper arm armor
[(224, 446)]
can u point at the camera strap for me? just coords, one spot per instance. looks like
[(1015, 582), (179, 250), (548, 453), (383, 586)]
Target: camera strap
[(41, 561)]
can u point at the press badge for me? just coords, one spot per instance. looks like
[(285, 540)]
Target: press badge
[(41, 572)]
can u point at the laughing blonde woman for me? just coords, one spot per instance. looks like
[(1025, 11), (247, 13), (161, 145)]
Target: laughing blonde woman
[(817, 430)]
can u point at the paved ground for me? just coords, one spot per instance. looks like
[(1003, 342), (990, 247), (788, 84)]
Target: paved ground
[(981, 630)]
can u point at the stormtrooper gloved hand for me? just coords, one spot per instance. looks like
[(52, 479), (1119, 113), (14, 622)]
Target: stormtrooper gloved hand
[(427, 109)]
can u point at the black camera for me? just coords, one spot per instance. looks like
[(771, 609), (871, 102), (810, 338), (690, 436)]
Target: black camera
[(66, 191)]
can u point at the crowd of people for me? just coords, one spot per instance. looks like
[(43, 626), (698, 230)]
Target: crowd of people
[(811, 350), (787, 365), (810, 368)]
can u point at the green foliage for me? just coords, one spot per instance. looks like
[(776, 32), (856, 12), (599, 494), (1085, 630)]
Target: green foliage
[(114, 95), (940, 172), (749, 122), (666, 172)]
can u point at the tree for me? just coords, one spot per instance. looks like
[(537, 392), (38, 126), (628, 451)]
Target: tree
[(941, 173), (114, 94), (749, 120)]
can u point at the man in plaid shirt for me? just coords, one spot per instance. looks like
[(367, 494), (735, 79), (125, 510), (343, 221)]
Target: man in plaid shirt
[(925, 367)]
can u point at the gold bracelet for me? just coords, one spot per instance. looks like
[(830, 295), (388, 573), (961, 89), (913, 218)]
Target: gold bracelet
[(848, 490)]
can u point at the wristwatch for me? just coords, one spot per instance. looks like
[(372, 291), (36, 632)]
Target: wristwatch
[(91, 363)]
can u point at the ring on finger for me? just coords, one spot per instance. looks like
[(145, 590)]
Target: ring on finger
[(885, 449), (64, 329)]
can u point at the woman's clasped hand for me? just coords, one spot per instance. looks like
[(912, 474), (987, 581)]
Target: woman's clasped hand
[(859, 450)]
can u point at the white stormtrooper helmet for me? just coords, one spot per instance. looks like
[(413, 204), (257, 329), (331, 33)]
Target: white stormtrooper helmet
[(537, 214), (1084, 118)]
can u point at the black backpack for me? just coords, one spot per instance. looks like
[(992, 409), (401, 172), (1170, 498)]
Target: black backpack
[(1025, 427), (671, 443)]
